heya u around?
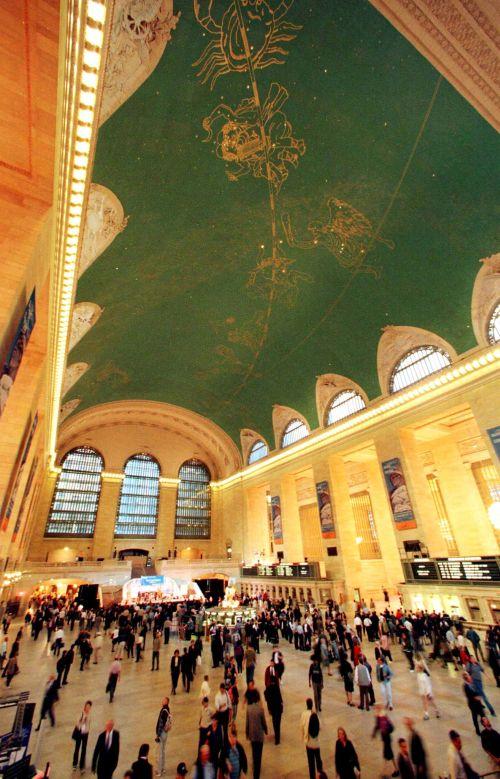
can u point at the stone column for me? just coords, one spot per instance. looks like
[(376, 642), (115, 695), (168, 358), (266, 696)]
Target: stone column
[(166, 519), (468, 518), (425, 511), (350, 562), (333, 565), (106, 517), (386, 530), (256, 524), (290, 517), (487, 415), (38, 522)]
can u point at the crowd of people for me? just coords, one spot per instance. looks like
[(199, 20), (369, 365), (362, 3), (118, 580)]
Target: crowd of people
[(359, 654)]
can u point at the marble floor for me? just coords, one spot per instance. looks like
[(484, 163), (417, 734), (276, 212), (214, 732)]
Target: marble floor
[(140, 691)]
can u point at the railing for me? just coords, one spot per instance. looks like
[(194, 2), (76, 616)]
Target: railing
[(200, 562), (33, 566)]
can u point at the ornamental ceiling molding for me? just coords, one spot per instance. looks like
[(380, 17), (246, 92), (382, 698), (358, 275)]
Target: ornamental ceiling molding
[(328, 386), (248, 438), (395, 342), (282, 415), (68, 408), (485, 296), (216, 444), (85, 315), (104, 220), (460, 38), (72, 374), (140, 31)]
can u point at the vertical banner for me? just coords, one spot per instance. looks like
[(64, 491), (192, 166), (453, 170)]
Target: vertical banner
[(494, 434), (17, 472), (398, 494), (277, 522), (10, 362), (325, 509)]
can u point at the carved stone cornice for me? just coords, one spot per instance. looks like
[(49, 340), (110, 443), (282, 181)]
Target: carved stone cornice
[(461, 39)]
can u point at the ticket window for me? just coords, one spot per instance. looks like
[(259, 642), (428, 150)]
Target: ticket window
[(474, 609), (494, 607)]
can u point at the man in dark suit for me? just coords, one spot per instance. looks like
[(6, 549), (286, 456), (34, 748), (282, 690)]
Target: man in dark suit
[(106, 752)]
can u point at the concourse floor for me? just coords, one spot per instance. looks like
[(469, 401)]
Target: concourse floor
[(139, 694)]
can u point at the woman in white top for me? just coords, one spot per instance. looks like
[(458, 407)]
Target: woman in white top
[(81, 736), (425, 688)]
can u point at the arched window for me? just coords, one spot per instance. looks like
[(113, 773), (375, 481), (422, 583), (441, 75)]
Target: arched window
[(139, 496), (494, 325), (343, 405), (257, 452), (76, 496), (193, 507), (416, 365), (294, 431)]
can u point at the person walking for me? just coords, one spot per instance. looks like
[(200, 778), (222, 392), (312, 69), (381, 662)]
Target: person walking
[(384, 676), (309, 726), (10, 670), (256, 729), (115, 670), (69, 658), (155, 654), (186, 670), (163, 727), (316, 681), (223, 708), (475, 639), (346, 758), (106, 752), (473, 701), (425, 689), (274, 701), (142, 768), (50, 698), (347, 674), (363, 679), (490, 741), (81, 736), (236, 759), (384, 726), (458, 766), (250, 662), (417, 750), (175, 670), (98, 642), (476, 672), (205, 720), (405, 765)]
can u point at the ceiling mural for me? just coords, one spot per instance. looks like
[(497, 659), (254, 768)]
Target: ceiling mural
[(297, 177)]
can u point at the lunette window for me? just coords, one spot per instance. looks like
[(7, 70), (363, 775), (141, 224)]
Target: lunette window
[(193, 507), (343, 405), (293, 432), (139, 497), (416, 365), (76, 496), (258, 450), (494, 326)]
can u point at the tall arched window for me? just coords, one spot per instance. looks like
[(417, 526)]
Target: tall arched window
[(416, 365), (76, 496), (293, 432), (139, 497), (494, 325), (258, 450), (193, 507), (343, 405)]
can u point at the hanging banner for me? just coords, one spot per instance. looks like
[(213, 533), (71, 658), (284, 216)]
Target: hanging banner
[(17, 472), (494, 434), (398, 494), (277, 522), (325, 509), (11, 360)]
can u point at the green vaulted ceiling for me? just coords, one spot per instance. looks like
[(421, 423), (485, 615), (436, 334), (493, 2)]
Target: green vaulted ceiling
[(271, 243)]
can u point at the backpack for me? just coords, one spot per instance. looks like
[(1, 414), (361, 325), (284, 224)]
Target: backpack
[(313, 728), (168, 723)]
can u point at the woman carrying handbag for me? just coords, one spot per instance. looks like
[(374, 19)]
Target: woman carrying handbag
[(81, 736)]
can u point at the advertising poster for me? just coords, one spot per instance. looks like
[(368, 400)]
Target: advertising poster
[(325, 509), (277, 521), (12, 489), (398, 494), (11, 360), (494, 434)]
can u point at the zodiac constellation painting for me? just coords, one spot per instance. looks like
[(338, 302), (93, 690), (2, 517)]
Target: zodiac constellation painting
[(253, 141), (248, 35), (345, 232), (276, 274)]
